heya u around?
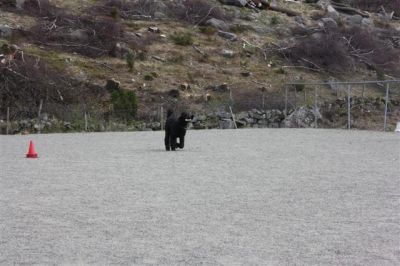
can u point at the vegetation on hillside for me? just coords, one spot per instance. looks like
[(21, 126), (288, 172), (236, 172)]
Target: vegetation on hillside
[(194, 54)]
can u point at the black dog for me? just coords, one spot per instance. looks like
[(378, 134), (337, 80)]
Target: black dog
[(174, 129)]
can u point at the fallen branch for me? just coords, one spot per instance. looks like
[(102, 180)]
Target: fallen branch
[(348, 10), (310, 62), (198, 50), (275, 7), (158, 58), (258, 47), (16, 73), (303, 67)]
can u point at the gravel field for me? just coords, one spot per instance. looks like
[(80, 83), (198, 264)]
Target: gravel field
[(231, 197)]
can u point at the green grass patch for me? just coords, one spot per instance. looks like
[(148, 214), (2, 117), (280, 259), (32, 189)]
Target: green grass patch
[(182, 38)]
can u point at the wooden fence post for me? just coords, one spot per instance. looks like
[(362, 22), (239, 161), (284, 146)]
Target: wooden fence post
[(8, 120)]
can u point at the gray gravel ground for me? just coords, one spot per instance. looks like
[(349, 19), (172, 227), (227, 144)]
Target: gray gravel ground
[(244, 197)]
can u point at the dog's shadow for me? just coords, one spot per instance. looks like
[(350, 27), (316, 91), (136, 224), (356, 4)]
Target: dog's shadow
[(177, 150)]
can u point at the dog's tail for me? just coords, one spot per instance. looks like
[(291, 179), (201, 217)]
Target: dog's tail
[(170, 112)]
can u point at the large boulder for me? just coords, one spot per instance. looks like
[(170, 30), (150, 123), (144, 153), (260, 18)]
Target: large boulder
[(19, 3), (79, 35), (227, 35), (329, 23), (275, 116), (303, 117), (226, 124), (218, 24), (227, 53), (354, 20), (5, 31), (240, 3), (332, 13)]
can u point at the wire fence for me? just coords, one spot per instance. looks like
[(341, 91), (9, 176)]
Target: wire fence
[(349, 103), (373, 105)]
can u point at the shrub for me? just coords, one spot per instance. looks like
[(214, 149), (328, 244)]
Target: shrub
[(300, 86), (8, 3), (126, 9), (87, 35), (196, 11), (40, 8), (28, 80), (182, 38), (114, 12), (239, 28), (377, 53), (338, 51), (389, 5), (124, 103), (130, 61), (325, 51), (208, 30), (148, 77), (275, 20)]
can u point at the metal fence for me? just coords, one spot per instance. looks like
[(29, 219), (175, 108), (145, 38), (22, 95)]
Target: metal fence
[(353, 99), (352, 93)]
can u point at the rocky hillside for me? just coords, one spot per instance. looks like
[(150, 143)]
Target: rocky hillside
[(124, 59)]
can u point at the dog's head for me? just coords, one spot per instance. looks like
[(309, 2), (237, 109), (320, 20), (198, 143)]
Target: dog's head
[(185, 118)]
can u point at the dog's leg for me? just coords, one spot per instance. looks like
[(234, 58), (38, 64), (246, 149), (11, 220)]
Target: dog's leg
[(172, 141), (181, 142), (167, 140)]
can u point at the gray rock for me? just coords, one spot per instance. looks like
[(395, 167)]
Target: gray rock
[(283, 31), (323, 3), (25, 123), (259, 116), (249, 120), (227, 35), (302, 117), (199, 126), (218, 24), (262, 123), (5, 31), (79, 35), (332, 13), (240, 3), (202, 117), (317, 35), (329, 23), (153, 29), (242, 115), (275, 116), (246, 73), (354, 20), (263, 30), (227, 53), (241, 123), (218, 88), (67, 125), (155, 125), (300, 20), (121, 50), (226, 124), (19, 3), (274, 125), (223, 115), (249, 17), (159, 15), (44, 116), (367, 22)]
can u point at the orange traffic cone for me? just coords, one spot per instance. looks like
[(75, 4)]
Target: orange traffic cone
[(31, 153)]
